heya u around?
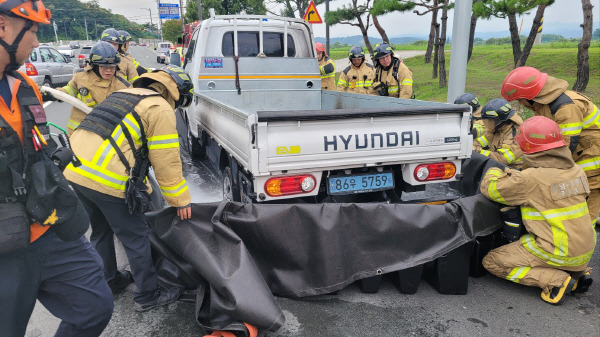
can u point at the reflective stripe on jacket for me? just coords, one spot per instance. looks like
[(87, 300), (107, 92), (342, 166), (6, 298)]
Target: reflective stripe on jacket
[(501, 146), (356, 80), (401, 86), (327, 69), (103, 171)]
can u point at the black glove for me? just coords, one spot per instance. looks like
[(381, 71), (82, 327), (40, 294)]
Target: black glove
[(62, 157), (513, 224), (47, 97), (382, 89)]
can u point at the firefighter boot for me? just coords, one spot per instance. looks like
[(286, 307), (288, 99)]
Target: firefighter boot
[(556, 295), (583, 283), (119, 283)]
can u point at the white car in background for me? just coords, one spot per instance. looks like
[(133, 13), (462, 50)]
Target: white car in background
[(67, 51), (46, 66)]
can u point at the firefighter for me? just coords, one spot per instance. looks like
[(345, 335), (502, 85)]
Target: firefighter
[(392, 76), (358, 76), (551, 192), (327, 68), (112, 178), (47, 258), (501, 123), (98, 80), (124, 39), (126, 69), (577, 116), (476, 122)]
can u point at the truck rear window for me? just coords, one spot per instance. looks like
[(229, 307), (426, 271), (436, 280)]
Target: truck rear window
[(248, 45)]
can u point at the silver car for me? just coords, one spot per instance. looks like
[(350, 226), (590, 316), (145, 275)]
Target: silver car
[(47, 66)]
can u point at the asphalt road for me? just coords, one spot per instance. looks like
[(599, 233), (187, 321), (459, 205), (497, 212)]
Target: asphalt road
[(492, 306)]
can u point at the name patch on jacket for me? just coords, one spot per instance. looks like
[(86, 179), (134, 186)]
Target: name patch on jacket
[(569, 188), (38, 113)]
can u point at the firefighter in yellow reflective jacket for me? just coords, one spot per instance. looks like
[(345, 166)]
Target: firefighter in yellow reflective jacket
[(551, 192), (392, 76), (124, 40), (327, 68), (476, 122), (358, 76), (577, 116), (497, 142), (96, 82), (110, 180), (126, 68)]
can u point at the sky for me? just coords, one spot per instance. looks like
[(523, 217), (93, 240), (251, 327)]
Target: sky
[(395, 24)]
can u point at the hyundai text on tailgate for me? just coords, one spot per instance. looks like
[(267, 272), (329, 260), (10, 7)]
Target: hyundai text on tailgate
[(262, 121)]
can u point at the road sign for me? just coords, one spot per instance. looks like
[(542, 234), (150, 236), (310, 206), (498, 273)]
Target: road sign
[(311, 15), (168, 11)]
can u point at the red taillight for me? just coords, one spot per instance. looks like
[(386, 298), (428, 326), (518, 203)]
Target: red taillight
[(435, 171), (81, 56), (280, 186), (30, 69)]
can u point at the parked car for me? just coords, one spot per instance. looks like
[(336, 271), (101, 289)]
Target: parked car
[(84, 55), (74, 45), (47, 66), (66, 50), (143, 45), (133, 43), (163, 50)]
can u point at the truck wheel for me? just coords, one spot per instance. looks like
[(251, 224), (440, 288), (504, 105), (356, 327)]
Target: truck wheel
[(158, 59), (231, 190), (195, 150), (47, 82)]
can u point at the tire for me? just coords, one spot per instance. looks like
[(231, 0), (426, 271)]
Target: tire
[(47, 82), (158, 59), (195, 150), (231, 190)]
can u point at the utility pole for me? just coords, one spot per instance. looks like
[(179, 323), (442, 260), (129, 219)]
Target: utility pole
[(327, 27), (460, 49), (181, 16), (199, 2), (150, 15), (159, 21), (87, 37), (55, 34)]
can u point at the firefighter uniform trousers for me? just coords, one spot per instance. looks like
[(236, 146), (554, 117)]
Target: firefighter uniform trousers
[(561, 238), (500, 144)]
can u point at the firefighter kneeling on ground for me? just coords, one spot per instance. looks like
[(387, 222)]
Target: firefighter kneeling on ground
[(392, 76), (476, 121), (43, 252), (98, 80), (358, 76), (577, 116), (326, 67), (500, 127), (116, 143), (551, 192)]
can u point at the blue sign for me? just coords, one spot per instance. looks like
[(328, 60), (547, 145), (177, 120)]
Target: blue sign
[(168, 11), (213, 62)]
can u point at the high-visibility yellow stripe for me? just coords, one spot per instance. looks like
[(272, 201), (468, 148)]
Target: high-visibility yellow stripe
[(485, 152), (571, 128), (407, 82), (328, 75), (95, 173), (163, 142), (174, 191), (393, 89), (528, 241), (508, 155), (591, 119), (254, 77), (492, 189), (517, 274), (70, 90), (483, 141), (589, 164), (71, 124)]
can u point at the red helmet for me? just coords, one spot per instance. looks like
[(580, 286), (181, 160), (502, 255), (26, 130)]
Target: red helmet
[(538, 134), (33, 10), (523, 82), (319, 47)]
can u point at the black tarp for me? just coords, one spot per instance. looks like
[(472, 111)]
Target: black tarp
[(239, 254)]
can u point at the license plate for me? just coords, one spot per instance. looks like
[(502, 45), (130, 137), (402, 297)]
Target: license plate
[(360, 183)]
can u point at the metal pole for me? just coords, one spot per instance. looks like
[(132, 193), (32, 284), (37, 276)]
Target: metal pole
[(55, 34), (199, 2), (181, 16), (95, 28), (459, 49), (327, 27), (87, 37), (159, 21)]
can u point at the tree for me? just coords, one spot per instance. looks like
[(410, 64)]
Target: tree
[(441, 41), (353, 15), (172, 30), (224, 7), (293, 7), (510, 9), (379, 28), (596, 34), (583, 66)]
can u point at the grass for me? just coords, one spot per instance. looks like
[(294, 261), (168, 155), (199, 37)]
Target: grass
[(490, 64)]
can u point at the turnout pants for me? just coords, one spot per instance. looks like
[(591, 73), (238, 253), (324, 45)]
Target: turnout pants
[(110, 216), (67, 279), (514, 263), (593, 199)]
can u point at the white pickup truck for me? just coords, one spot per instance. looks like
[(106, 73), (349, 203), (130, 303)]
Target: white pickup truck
[(264, 123)]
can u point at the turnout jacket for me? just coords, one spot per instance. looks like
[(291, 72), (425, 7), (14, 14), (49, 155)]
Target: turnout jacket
[(327, 68), (500, 144), (103, 171), (356, 80), (138, 67), (477, 128), (552, 193), (578, 119), (400, 85), (92, 90), (127, 70)]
